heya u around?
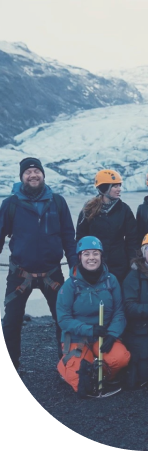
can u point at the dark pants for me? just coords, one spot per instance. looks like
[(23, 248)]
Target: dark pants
[(15, 309), (137, 371)]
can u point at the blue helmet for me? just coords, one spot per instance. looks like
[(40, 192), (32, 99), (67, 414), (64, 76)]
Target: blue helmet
[(89, 242)]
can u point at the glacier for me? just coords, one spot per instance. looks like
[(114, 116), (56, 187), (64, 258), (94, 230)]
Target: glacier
[(74, 148)]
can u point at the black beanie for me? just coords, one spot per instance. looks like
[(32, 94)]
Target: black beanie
[(30, 162)]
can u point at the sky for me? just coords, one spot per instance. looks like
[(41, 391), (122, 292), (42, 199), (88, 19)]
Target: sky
[(93, 34)]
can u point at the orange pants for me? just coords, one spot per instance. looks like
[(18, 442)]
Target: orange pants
[(116, 359)]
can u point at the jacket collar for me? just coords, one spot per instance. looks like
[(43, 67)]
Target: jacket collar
[(75, 274), (22, 196)]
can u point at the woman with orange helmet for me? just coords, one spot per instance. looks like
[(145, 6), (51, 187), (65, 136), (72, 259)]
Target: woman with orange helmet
[(135, 295), (112, 221)]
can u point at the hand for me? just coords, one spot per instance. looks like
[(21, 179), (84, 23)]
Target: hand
[(108, 343), (99, 331)]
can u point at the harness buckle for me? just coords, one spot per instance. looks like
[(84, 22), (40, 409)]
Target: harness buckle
[(20, 274), (21, 288), (55, 285)]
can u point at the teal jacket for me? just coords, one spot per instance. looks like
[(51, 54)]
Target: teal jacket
[(78, 306)]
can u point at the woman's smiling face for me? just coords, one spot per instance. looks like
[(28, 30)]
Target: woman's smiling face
[(91, 259)]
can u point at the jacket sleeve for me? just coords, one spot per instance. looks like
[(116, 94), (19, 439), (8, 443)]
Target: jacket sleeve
[(68, 234), (142, 226), (3, 223), (82, 228), (131, 235), (64, 307), (131, 291), (118, 322)]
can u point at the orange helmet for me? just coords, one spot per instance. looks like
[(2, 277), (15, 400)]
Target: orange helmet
[(147, 179), (145, 240), (107, 176)]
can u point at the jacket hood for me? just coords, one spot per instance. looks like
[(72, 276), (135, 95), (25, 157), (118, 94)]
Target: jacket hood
[(17, 190)]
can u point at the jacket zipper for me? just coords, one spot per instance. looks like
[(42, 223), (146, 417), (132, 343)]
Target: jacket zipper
[(90, 297), (46, 224)]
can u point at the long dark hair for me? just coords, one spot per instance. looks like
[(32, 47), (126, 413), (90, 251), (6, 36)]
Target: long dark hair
[(92, 207)]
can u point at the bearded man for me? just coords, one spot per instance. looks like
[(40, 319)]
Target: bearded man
[(41, 231)]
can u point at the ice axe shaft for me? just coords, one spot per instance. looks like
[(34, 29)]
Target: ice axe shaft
[(100, 355)]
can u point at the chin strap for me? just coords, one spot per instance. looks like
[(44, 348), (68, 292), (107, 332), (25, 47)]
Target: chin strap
[(107, 192)]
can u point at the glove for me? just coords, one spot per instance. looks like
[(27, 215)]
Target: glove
[(108, 343), (99, 331)]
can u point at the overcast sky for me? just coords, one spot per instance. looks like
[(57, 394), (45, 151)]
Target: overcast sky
[(94, 34)]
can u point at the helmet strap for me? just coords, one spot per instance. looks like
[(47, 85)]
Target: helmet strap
[(143, 248), (107, 192)]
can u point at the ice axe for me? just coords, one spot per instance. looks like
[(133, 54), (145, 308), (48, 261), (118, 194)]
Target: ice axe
[(100, 390), (100, 355)]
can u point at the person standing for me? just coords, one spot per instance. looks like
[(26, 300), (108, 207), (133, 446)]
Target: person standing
[(111, 220), (41, 232)]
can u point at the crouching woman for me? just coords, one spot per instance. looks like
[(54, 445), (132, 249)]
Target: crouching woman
[(135, 295), (78, 317)]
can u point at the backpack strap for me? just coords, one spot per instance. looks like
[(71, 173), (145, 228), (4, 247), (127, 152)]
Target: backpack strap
[(108, 284), (77, 288), (75, 282), (11, 213), (58, 202)]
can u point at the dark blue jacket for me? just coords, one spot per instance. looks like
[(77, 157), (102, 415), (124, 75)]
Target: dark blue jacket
[(39, 234), (142, 220), (117, 231), (78, 306)]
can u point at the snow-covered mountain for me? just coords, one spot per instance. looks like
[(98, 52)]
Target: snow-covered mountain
[(74, 121), (35, 90), (73, 149), (137, 76)]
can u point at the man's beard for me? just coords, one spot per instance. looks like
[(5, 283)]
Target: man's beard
[(33, 191)]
